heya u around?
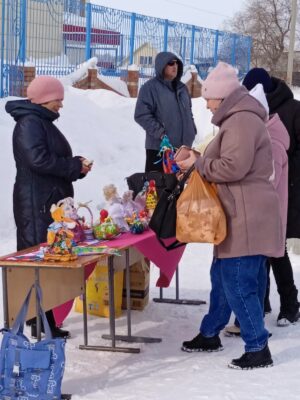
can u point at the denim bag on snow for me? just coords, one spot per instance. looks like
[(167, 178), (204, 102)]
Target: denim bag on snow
[(31, 370)]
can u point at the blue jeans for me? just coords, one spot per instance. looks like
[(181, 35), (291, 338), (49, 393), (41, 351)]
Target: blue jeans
[(238, 285)]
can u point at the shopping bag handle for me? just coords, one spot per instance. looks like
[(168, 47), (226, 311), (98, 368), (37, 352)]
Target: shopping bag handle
[(18, 326)]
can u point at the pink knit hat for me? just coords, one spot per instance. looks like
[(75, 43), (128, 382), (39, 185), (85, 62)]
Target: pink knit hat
[(220, 82), (44, 89)]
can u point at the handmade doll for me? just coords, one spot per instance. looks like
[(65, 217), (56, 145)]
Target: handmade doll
[(151, 197), (59, 236), (115, 207)]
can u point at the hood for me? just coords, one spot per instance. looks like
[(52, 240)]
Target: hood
[(258, 93), (20, 108), (162, 60), (278, 131), (279, 95), (239, 100)]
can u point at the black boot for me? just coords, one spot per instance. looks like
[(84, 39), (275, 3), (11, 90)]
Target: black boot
[(56, 332), (289, 309), (202, 343), (251, 360)]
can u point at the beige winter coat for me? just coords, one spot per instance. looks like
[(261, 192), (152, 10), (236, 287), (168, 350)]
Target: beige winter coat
[(239, 160)]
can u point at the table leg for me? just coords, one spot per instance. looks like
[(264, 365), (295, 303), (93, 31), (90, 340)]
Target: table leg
[(38, 316), (84, 311), (5, 297), (177, 300), (129, 338)]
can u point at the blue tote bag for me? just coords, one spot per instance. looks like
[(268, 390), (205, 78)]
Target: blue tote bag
[(31, 370)]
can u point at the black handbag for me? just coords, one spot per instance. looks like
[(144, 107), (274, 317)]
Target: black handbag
[(163, 181), (163, 220)]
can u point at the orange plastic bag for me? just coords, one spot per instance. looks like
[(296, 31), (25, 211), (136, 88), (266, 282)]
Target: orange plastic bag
[(200, 216)]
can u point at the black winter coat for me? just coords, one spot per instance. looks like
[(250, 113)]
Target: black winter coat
[(165, 107), (45, 169), (281, 101)]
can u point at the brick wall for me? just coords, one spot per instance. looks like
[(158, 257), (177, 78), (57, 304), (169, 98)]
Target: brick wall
[(20, 78), (91, 81)]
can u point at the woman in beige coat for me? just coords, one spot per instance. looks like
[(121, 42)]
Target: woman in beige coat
[(239, 161)]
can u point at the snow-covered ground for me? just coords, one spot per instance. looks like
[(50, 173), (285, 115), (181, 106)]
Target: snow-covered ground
[(100, 126)]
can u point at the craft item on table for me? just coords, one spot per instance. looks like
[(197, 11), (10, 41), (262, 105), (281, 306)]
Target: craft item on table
[(70, 211), (167, 152), (138, 225), (103, 215), (37, 255), (144, 217), (130, 206), (89, 250), (151, 197), (87, 228), (59, 237), (115, 207), (140, 198), (107, 230)]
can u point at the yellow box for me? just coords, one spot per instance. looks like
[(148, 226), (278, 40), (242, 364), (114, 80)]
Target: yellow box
[(97, 293)]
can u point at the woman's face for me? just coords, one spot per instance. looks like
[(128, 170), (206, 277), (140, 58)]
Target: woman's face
[(53, 105), (213, 104)]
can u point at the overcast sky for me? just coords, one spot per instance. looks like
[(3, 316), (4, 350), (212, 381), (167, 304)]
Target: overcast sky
[(210, 14)]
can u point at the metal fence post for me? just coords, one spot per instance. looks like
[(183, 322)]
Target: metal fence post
[(2, 51), (166, 27), (183, 49), (216, 48), (132, 34), (249, 53), (88, 29), (233, 52), (192, 44), (23, 31), (121, 54)]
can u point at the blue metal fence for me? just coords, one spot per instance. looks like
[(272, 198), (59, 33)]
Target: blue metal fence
[(56, 36)]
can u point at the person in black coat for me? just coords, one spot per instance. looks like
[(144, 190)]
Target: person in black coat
[(281, 101), (164, 107), (45, 165)]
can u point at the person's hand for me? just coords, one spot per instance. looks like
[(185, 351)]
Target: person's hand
[(86, 165), (185, 164)]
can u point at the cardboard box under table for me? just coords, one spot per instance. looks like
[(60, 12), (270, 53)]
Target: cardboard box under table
[(139, 285)]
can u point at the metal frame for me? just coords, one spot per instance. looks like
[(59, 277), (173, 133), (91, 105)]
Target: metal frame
[(112, 336), (177, 300)]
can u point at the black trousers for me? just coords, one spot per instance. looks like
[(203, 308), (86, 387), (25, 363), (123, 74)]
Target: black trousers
[(153, 161), (50, 319), (284, 277)]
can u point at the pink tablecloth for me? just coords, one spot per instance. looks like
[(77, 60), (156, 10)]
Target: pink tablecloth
[(148, 245)]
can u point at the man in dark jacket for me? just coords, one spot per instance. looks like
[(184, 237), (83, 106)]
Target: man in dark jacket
[(164, 107), (281, 101), (45, 165)]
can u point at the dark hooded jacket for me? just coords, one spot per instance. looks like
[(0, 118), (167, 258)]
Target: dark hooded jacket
[(45, 169), (165, 107), (282, 102)]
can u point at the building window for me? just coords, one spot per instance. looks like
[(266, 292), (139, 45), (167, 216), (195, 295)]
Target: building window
[(76, 7), (145, 60)]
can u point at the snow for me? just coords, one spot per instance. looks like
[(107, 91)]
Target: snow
[(99, 125), (80, 72)]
